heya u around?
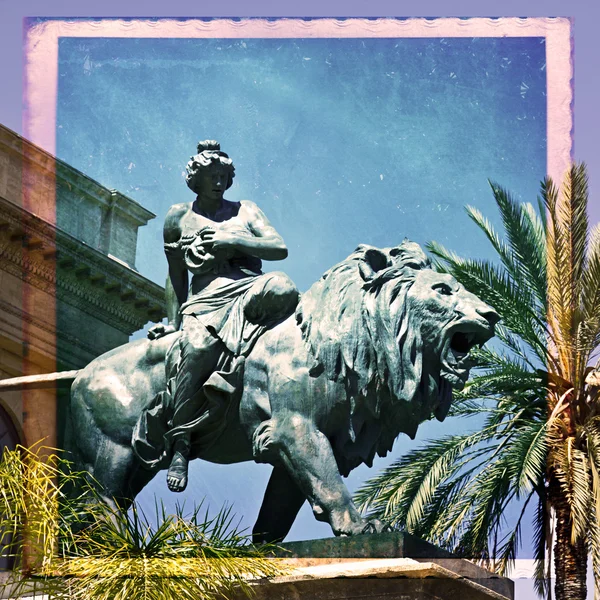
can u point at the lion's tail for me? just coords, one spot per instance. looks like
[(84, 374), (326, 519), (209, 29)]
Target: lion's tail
[(61, 379)]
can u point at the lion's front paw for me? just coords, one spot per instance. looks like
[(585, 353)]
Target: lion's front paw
[(377, 526), (373, 526), (352, 523)]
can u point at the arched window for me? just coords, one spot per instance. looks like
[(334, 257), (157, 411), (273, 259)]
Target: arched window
[(9, 438), (8, 433)]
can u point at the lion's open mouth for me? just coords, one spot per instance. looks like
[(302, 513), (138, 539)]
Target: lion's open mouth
[(462, 343), (460, 340)]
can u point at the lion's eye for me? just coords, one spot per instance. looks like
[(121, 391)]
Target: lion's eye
[(442, 288)]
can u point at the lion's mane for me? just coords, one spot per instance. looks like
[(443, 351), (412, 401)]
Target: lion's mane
[(360, 331)]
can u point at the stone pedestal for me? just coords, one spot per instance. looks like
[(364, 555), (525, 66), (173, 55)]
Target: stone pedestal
[(400, 567), (389, 566)]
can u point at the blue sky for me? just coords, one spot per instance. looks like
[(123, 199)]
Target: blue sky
[(339, 141)]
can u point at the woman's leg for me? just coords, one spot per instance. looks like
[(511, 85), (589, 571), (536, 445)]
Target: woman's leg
[(199, 352)]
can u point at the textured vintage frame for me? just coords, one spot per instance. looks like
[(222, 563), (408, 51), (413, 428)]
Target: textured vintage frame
[(41, 77), (41, 66)]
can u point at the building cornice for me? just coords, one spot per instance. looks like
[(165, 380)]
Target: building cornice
[(56, 262), (72, 178)]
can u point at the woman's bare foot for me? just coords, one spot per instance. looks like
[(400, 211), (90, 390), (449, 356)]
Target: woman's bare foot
[(177, 475)]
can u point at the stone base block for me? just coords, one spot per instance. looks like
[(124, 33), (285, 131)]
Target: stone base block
[(390, 566)]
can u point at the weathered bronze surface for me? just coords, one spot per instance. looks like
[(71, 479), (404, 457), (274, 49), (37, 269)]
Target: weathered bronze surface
[(245, 370), (373, 349), (222, 313)]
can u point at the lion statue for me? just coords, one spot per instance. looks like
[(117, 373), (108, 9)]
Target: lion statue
[(374, 348)]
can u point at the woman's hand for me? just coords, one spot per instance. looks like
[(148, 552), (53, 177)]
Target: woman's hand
[(159, 330), (218, 240), (198, 258)]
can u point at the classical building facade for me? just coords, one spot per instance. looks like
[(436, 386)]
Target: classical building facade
[(69, 290)]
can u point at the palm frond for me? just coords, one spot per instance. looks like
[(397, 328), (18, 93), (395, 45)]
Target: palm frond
[(504, 557), (592, 439), (465, 404), (117, 555), (527, 242), (571, 468), (504, 251), (542, 546), (561, 289), (572, 214), (516, 346), (541, 211), (500, 366), (406, 486), (462, 509), (538, 395), (536, 218), (533, 455), (589, 326), (440, 471), (479, 511), (30, 494)]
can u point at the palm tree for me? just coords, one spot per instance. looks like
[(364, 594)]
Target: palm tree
[(536, 452), (84, 550)]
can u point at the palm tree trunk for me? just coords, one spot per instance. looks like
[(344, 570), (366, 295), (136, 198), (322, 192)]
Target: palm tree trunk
[(570, 561)]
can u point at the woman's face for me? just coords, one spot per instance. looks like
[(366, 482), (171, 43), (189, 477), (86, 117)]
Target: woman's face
[(211, 182)]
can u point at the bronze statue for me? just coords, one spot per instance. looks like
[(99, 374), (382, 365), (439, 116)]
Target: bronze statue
[(314, 387), (227, 306), (374, 348)]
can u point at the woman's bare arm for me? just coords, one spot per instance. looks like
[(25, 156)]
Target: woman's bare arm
[(265, 243), (176, 286)]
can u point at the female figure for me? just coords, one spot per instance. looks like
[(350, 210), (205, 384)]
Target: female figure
[(228, 304)]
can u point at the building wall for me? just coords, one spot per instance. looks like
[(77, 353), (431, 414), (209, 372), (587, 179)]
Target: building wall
[(69, 290)]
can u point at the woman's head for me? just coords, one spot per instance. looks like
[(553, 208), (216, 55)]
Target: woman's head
[(209, 157)]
